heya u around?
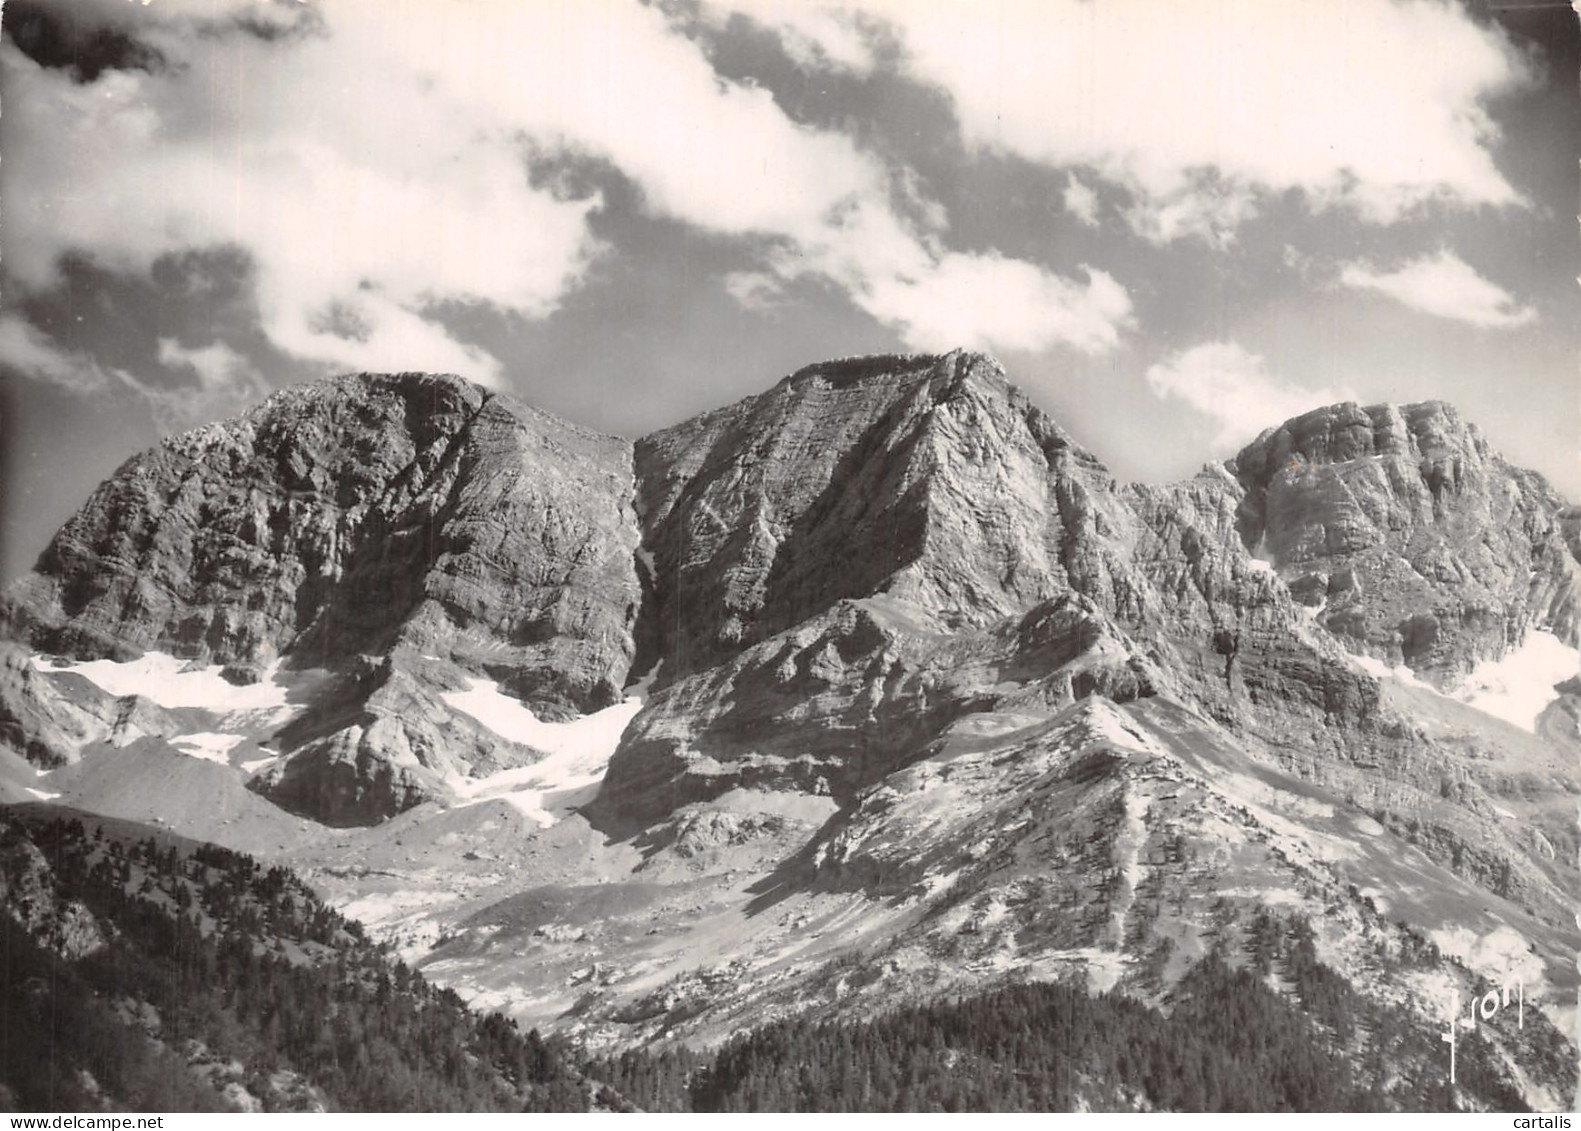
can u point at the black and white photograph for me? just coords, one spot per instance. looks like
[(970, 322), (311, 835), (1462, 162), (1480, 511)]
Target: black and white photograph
[(788, 556)]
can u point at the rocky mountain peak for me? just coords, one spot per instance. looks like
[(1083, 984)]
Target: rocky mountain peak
[(1414, 539), (926, 477), (880, 653), (1343, 432), (885, 369), (820, 548), (391, 517)]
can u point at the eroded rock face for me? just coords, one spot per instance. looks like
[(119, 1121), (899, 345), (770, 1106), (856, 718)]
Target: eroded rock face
[(30, 897), (837, 703), (827, 608), (400, 517), (48, 719), (948, 695), (44, 724), (849, 562), (238, 539), (1417, 542), (387, 743), (344, 517), (832, 573), (925, 478)]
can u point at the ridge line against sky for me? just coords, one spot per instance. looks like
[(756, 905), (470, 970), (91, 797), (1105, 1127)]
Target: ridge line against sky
[(1176, 223)]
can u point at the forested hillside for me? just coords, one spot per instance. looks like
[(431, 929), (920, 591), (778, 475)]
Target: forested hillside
[(1228, 1042), (146, 972), (156, 974)]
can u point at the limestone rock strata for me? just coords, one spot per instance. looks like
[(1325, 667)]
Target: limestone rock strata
[(339, 518), (399, 517), (1415, 541), (827, 577)]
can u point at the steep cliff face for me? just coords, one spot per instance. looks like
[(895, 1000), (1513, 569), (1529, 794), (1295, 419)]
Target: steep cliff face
[(929, 479), (343, 517), (827, 553), (878, 550), (234, 541), (396, 517), (835, 704), (1414, 540), (824, 555), (822, 579), (900, 656)]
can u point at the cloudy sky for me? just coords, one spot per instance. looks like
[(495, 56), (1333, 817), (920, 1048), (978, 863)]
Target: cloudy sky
[(1175, 221)]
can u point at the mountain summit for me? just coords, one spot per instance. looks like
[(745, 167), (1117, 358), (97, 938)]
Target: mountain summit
[(883, 640), (1414, 539)]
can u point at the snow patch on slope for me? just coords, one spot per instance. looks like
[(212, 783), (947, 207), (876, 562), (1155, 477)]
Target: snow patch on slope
[(171, 683), (1399, 673), (208, 745), (1261, 561), (1519, 686), (645, 556), (577, 752), (644, 684), (585, 739), (1129, 844)]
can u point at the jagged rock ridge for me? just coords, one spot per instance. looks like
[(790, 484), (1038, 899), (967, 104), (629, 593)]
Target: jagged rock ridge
[(1416, 540), (809, 565), (883, 581), (383, 517)]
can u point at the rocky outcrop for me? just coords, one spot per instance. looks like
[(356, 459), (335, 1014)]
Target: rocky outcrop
[(396, 517), (45, 723), (341, 518), (387, 743), (1414, 540), (828, 576), (30, 897), (827, 609), (844, 699), (851, 561), (930, 479), (49, 718)]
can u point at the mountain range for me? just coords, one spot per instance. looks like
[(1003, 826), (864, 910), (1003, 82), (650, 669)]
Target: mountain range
[(873, 690)]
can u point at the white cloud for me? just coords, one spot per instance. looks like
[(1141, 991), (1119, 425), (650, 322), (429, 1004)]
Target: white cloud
[(755, 290), (1225, 383), (937, 299), (991, 302), (347, 177), (1211, 213), (376, 169), (813, 34), (1443, 285), (724, 157), (31, 353), (1194, 106), (215, 365), (1081, 201), (226, 384)]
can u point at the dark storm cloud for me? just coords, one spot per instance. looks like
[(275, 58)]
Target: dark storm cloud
[(74, 39)]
